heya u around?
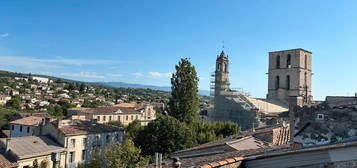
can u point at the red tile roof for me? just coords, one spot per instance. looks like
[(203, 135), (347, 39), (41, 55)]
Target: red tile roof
[(80, 127), (5, 133), (32, 121), (6, 163), (106, 110)]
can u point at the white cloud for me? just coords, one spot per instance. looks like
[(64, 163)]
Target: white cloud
[(114, 75), (137, 74), (4, 35), (159, 75), (84, 75)]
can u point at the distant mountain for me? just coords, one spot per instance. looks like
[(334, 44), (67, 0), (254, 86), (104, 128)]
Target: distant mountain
[(140, 86)]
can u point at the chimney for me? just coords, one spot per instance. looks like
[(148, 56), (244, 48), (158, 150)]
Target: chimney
[(8, 144), (45, 121), (59, 123)]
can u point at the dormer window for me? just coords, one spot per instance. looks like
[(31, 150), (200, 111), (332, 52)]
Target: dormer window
[(320, 117)]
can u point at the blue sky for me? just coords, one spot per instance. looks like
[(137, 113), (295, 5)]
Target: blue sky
[(140, 41)]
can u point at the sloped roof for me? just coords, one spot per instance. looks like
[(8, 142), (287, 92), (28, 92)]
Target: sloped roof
[(106, 110), (31, 146), (31, 121), (80, 127), (7, 163)]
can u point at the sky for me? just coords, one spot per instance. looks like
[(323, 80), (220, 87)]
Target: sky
[(141, 41)]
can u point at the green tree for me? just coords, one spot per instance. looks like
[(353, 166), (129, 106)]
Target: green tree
[(165, 135), (184, 101), (35, 164), (118, 155), (44, 163), (133, 129), (14, 103), (116, 123)]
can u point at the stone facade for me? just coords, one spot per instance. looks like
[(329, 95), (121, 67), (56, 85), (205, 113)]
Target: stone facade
[(236, 106), (290, 75), (230, 105)]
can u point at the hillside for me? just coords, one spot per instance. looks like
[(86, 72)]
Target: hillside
[(141, 86)]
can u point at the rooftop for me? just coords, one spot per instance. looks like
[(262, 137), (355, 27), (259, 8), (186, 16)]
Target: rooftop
[(106, 110), (31, 121), (31, 146), (292, 50), (7, 163), (81, 127)]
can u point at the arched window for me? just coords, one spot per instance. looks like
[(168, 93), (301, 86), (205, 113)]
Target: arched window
[(218, 67), (288, 61), (225, 68), (288, 82), (277, 82), (305, 79), (278, 62), (305, 61)]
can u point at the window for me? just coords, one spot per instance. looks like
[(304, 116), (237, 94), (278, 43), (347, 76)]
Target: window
[(288, 82), (71, 157), (305, 61), (277, 82), (305, 79), (104, 118), (28, 129), (13, 127), (278, 62), (83, 154), (137, 117), (110, 118), (225, 68), (97, 140), (20, 128), (84, 141), (98, 118), (72, 143), (127, 117), (118, 118), (288, 61), (107, 138), (132, 117), (320, 117)]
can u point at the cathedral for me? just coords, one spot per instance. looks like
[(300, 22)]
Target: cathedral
[(289, 84)]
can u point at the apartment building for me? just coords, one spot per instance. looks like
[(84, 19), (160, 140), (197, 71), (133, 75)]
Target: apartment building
[(25, 126), (25, 152), (4, 99), (125, 115), (80, 138)]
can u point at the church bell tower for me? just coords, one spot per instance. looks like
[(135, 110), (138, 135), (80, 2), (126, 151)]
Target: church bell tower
[(221, 73)]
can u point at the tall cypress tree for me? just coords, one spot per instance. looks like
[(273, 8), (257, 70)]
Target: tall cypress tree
[(184, 101)]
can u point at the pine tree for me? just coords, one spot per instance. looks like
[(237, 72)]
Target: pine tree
[(184, 103)]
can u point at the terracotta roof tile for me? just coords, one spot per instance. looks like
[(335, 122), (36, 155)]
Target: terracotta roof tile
[(6, 163), (80, 127), (106, 110), (32, 121)]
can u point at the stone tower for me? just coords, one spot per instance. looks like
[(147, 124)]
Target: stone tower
[(221, 73), (290, 76)]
